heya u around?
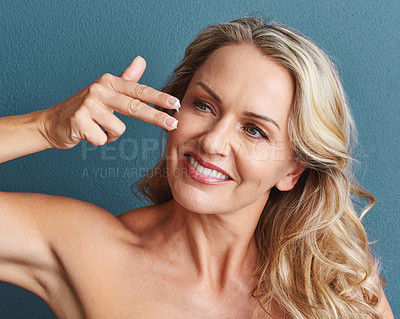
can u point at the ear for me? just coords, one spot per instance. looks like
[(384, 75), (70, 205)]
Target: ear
[(290, 180)]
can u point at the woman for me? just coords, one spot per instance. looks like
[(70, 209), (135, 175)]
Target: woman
[(253, 214)]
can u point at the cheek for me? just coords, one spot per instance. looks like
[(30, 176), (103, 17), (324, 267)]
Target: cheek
[(190, 124), (258, 178), (260, 175), (256, 153), (262, 151)]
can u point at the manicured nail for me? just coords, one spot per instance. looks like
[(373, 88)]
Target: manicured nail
[(174, 102), (171, 122)]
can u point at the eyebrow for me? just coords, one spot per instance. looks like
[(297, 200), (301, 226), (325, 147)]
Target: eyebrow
[(262, 117), (210, 91), (251, 114)]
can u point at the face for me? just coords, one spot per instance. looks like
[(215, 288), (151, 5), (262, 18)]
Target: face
[(232, 145)]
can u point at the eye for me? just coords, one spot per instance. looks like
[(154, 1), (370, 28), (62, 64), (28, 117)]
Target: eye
[(202, 106), (254, 131)]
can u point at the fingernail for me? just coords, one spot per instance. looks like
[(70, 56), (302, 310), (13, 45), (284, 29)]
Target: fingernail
[(171, 122), (174, 102)]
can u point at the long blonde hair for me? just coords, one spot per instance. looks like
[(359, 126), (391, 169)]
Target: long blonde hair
[(314, 257)]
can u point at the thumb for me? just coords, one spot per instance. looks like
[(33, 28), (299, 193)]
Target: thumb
[(135, 70)]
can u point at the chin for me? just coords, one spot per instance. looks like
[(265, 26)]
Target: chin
[(198, 201)]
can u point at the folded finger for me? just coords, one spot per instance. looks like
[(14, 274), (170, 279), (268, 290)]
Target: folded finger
[(93, 134), (113, 126)]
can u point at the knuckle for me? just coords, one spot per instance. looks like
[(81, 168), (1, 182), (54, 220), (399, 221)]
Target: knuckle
[(89, 104), (99, 140), (77, 119), (117, 130), (163, 97), (106, 77), (95, 138), (134, 106), (120, 129), (158, 117), (140, 90), (94, 89)]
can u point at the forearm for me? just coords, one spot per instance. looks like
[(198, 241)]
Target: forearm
[(87, 115), (21, 135)]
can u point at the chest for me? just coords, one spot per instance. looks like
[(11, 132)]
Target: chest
[(118, 284)]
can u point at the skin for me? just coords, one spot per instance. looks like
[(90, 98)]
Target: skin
[(193, 257)]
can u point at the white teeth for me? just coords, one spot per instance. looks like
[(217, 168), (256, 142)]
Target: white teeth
[(206, 171)]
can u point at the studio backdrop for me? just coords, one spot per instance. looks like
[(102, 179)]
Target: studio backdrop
[(49, 50)]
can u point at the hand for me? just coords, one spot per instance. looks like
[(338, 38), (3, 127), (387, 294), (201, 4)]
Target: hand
[(83, 116)]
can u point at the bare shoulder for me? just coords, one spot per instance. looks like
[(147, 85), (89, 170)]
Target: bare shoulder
[(48, 211), (60, 219), (384, 307), (42, 237), (54, 222)]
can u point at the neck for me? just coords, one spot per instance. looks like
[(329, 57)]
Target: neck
[(221, 246)]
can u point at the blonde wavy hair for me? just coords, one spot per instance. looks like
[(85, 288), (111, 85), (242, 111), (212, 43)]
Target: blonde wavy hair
[(314, 255)]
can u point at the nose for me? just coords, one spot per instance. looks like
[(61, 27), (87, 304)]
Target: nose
[(217, 140)]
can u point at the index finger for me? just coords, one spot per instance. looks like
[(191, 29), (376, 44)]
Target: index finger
[(129, 106), (144, 93)]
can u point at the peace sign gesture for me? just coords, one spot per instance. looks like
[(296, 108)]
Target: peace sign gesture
[(82, 116)]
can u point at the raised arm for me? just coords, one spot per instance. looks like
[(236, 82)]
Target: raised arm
[(82, 116), (34, 228), (19, 136)]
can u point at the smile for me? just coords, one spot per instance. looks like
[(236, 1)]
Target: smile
[(205, 173)]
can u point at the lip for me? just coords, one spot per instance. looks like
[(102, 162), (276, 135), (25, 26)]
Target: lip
[(203, 178), (208, 164)]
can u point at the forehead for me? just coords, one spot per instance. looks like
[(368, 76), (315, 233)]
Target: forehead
[(241, 75)]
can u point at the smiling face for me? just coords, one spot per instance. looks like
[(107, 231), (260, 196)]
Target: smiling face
[(232, 145)]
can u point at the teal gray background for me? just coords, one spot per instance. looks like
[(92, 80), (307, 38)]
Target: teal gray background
[(50, 50)]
